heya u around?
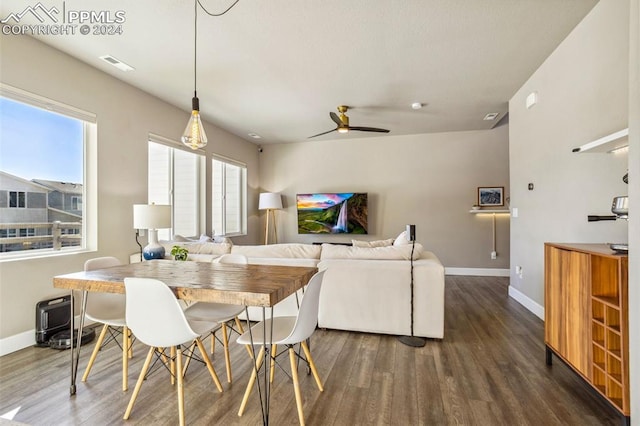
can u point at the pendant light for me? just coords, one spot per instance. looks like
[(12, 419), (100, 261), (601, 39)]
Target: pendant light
[(193, 135)]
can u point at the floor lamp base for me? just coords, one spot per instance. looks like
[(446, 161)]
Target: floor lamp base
[(415, 341)]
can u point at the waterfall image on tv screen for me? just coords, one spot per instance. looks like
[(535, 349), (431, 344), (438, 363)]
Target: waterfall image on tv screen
[(332, 213)]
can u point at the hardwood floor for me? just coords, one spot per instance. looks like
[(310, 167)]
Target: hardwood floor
[(488, 370)]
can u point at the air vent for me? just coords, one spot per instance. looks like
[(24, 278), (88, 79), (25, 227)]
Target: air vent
[(116, 63), (491, 116)]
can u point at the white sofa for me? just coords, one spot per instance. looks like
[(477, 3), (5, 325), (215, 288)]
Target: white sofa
[(365, 289)]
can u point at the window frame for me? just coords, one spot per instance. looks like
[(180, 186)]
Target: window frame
[(243, 216), (89, 227), (164, 234)]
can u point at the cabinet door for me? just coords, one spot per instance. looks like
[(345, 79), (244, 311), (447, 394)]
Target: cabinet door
[(553, 306), (567, 310), (577, 299)]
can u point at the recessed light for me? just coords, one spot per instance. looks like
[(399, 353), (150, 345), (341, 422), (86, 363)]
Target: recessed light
[(255, 135), (116, 63), (416, 105), (491, 116)]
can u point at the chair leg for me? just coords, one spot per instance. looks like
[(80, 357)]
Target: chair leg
[(252, 381), (207, 362), (239, 325), (129, 343), (225, 344), (125, 358), (172, 364), (312, 364), (296, 384), (136, 390), (186, 363), (94, 354), (180, 386), (272, 367), (213, 342)]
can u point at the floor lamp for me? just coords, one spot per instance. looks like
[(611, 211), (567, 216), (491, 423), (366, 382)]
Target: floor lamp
[(152, 217), (412, 340), (270, 201)]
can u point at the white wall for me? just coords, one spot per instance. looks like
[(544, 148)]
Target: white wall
[(125, 118), (583, 90), (588, 87), (428, 180)]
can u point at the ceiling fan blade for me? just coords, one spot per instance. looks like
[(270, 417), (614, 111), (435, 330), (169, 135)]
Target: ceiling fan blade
[(335, 118), (368, 129), (323, 133)]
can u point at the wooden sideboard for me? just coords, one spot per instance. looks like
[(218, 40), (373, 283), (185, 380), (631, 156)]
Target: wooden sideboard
[(586, 316)]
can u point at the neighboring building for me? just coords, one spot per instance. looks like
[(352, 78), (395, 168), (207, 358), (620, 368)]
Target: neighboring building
[(64, 201), (29, 208)]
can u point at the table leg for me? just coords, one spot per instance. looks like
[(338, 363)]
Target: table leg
[(264, 392), (75, 349)]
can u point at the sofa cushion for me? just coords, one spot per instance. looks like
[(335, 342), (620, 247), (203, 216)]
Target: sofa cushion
[(195, 247), (378, 243), (402, 252), (294, 250)]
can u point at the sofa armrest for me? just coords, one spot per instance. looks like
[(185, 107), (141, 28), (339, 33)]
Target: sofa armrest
[(375, 296)]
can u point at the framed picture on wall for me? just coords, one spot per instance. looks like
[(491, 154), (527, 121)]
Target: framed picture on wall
[(491, 196)]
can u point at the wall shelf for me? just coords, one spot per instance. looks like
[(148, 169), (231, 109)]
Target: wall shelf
[(609, 143), (500, 211)]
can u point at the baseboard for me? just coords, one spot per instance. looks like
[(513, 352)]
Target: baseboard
[(17, 342), (527, 302), (477, 272), (28, 338)]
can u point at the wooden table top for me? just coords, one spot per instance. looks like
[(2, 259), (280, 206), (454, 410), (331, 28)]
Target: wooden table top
[(250, 285)]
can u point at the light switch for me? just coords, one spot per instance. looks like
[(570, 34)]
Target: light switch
[(514, 212)]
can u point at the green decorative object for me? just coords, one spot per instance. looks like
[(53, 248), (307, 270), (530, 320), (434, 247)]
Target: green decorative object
[(179, 253)]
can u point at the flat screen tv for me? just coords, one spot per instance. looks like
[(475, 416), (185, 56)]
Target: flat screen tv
[(332, 213)]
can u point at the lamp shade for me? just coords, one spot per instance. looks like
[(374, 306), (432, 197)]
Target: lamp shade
[(151, 216), (270, 200)]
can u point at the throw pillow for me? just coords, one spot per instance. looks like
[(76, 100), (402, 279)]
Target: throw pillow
[(401, 239)]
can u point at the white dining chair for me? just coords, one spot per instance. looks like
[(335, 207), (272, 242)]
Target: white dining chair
[(288, 331), (108, 309), (156, 318), (222, 313)]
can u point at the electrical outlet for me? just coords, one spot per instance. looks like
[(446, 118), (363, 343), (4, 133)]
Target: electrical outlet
[(519, 271), (494, 255)]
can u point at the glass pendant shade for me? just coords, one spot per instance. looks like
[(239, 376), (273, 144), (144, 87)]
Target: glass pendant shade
[(193, 135)]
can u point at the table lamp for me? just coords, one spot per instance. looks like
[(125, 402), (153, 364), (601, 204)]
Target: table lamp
[(270, 201), (152, 217)]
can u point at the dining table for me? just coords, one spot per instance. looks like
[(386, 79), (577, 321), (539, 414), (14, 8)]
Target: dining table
[(249, 285)]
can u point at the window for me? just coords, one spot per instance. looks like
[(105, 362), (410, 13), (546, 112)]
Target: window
[(176, 177), (47, 151), (17, 199), (76, 203), (229, 213)]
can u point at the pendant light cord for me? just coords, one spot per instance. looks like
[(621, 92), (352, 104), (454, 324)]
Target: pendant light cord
[(217, 14), (195, 49), (195, 39)]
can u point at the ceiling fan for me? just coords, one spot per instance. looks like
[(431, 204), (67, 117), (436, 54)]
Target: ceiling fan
[(343, 124)]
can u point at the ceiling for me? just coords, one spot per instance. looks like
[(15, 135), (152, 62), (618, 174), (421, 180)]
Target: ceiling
[(277, 68)]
